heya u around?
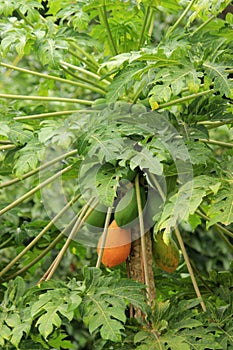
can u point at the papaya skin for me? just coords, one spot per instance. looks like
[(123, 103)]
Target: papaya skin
[(166, 256), (127, 209), (117, 246), (97, 216)]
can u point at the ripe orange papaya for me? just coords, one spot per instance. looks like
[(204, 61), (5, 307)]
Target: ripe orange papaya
[(117, 245), (166, 255)]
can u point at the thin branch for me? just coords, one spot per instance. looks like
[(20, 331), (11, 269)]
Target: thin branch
[(172, 28), (83, 71), (9, 146), (190, 270), (46, 98), (53, 114), (202, 25), (184, 99), (54, 78), (86, 80), (144, 26), (207, 21), (86, 54), (215, 124), (218, 143), (104, 19), (143, 241), (104, 236)]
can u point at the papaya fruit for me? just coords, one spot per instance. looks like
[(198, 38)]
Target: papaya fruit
[(97, 216), (126, 210), (166, 255), (117, 245)]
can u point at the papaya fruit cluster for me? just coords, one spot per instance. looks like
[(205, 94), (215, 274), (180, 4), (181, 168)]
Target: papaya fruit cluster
[(125, 216)]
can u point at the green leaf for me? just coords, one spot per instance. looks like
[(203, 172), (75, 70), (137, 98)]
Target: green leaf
[(186, 201), (28, 157), (220, 77), (145, 160), (19, 135), (105, 302), (47, 321), (106, 184), (121, 84), (18, 332), (221, 209)]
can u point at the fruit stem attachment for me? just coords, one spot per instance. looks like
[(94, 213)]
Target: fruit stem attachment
[(143, 241), (189, 267), (106, 224)]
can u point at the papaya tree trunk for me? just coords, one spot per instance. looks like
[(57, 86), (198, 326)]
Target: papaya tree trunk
[(135, 268)]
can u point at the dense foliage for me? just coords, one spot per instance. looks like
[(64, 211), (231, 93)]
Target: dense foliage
[(95, 95)]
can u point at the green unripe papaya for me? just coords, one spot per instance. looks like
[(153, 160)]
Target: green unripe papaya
[(97, 216), (127, 209), (166, 255)]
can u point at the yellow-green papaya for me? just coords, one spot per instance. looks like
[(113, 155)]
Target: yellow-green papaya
[(166, 255), (126, 210)]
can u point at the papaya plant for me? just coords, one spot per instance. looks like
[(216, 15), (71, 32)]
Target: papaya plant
[(116, 149)]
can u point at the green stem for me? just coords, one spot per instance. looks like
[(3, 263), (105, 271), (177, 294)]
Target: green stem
[(151, 22), (94, 83), (144, 26), (143, 241), (172, 28), (190, 270), (104, 20), (5, 142), (44, 166), (24, 18), (158, 187), (104, 236), (7, 147), (86, 54), (208, 21), (43, 98), (38, 237), (54, 78), (184, 99), (46, 115), (202, 25), (34, 190), (218, 143), (87, 63), (212, 125), (54, 114), (84, 71)]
